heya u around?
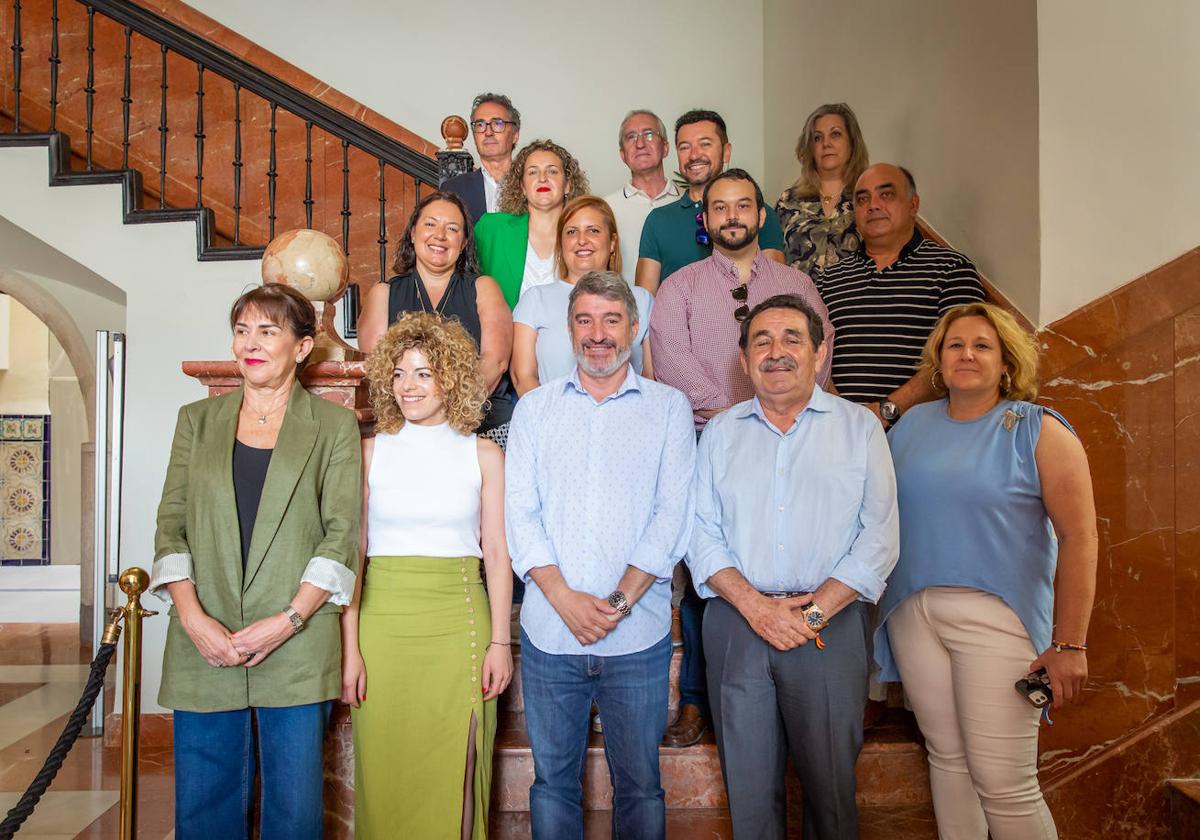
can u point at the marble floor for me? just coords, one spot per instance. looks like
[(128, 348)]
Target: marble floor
[(42, 671)]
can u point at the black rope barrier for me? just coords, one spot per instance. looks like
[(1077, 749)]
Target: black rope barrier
[(24, 807)]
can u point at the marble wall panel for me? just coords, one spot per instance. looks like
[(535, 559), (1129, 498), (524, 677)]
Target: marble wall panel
[(1187, 505)]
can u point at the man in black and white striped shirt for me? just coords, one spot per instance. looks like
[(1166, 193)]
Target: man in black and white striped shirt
[(885, 299)]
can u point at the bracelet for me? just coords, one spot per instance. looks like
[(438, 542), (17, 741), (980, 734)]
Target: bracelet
[(502, 644), (1059, 647)]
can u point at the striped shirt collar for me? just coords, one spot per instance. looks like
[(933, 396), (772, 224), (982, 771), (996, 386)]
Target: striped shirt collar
[(913, 243), (629, 191)]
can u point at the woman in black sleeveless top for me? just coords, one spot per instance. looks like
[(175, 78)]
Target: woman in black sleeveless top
[(436, 272)]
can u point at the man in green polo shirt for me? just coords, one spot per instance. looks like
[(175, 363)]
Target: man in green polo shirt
[(673, 235)]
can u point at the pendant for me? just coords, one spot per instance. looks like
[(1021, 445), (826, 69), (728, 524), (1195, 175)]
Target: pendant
[(262, 421), (1010, 419)]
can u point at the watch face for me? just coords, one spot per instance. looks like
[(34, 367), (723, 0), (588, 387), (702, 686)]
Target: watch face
[(815, 618)]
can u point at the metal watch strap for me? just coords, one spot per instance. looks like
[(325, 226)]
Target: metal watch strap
[(620, 603), (295, 618)]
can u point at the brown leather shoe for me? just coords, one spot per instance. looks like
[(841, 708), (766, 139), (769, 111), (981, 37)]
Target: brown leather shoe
[(687, 728)]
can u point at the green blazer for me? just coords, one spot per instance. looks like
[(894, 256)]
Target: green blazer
[(501, 240), (311, 506)]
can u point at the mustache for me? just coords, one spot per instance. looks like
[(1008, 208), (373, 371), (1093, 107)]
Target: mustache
[(733, 226), (588, 344), (779, 363)]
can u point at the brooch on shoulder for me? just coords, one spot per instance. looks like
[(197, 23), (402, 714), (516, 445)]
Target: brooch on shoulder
[(1010, 419)]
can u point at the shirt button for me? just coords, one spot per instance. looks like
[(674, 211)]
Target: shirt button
[(781, 508), (781, 546)]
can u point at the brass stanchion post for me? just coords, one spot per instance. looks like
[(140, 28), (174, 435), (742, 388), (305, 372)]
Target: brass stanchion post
[(133, 582)]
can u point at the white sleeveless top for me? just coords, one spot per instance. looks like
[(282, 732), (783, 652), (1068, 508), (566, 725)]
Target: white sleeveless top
[(424, 494)]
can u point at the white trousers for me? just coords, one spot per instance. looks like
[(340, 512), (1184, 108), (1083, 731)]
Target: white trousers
[(959, 652)]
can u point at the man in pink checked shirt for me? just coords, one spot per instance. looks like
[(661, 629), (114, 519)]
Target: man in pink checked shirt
[(694, 328)]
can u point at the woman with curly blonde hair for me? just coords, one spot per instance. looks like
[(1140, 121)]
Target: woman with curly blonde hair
[(433, 501), (516, 245), (996, 576)]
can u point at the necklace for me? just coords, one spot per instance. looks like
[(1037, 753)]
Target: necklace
[(445, 295), (262, 418), (828, 199)]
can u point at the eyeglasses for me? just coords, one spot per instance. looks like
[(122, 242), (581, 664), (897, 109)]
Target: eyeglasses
[(740, 293), (498, 125), (702, 237), (649, 135)]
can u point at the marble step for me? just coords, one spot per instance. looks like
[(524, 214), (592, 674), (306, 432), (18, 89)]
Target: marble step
[(892, 770), (877, 822)]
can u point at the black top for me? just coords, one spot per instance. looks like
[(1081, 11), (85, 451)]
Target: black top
[(881, 318), (249, 475), (407, 293)]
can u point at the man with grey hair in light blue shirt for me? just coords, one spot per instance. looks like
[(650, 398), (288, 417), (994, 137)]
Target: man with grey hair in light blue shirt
[(796, 532), (598, 510)]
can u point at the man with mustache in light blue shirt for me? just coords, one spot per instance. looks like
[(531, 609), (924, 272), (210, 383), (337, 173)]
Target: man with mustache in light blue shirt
[(796, 532)]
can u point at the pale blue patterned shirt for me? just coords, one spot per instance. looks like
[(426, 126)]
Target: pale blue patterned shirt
[(596, 487), (791, 510)]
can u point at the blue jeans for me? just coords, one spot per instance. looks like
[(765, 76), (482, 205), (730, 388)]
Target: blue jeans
[(215, 768), (631, 693)]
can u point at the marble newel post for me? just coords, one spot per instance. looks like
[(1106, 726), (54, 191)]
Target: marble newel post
[(454, 159), (315, 264)]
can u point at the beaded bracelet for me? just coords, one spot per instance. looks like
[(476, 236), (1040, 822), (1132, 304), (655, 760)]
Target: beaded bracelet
[(1061, 646)]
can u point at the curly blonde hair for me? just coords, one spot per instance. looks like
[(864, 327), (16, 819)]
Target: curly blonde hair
[(512, 197), (452, 356), (1018, 349)]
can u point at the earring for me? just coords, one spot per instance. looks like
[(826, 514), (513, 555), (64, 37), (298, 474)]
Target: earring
[(933, 380), (1007, 382)]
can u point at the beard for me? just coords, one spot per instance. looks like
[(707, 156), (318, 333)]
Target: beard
[(620, 357), (720, 237)]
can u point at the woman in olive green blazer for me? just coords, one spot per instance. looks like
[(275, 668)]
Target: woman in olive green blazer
[(257, 549)]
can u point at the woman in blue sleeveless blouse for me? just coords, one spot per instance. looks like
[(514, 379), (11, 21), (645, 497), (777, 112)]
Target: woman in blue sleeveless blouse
[(996, 575)]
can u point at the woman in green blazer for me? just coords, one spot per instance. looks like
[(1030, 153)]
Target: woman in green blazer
[(256, 551), (516, 245)]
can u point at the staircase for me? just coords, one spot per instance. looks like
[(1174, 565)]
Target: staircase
[(119, 94)]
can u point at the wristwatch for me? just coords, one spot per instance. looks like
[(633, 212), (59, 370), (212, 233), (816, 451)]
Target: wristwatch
[(294, 617), (889, 411), (620, 603), (813, 616)]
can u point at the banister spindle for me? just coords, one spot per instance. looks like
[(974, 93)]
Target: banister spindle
[(382, 240), (162, 132), (271, 173), (90, 87), (17, 49), (345, 196), (237, 163), (126, 100), (54, 62), (308, 199), (199, 135)]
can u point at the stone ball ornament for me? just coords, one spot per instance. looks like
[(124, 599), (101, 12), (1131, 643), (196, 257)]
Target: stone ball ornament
[(309, 261)]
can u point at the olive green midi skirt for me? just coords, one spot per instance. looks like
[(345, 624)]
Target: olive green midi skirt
[(424, 626)]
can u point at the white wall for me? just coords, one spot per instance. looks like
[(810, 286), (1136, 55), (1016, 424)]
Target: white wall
[(945, 87), (68, 433), (1120, 133), (573, 71), (24, 386), (184, 318)]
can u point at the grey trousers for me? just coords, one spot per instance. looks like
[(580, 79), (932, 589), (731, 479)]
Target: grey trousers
[(769, 704)]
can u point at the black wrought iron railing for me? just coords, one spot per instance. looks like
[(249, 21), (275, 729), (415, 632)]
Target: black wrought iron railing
[(380, 175)]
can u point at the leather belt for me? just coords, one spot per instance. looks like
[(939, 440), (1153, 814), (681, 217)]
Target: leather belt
[(780, 595)]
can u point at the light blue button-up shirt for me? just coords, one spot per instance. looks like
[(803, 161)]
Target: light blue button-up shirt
[(596, 487), (791, 510)]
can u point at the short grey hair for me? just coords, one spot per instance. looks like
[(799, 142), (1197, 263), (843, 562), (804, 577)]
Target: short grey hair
[(608, 285), (500, 99), (661, 128)]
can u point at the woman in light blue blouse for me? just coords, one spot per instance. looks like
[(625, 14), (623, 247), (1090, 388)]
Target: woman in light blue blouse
[(587, 240), (984, 593)]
